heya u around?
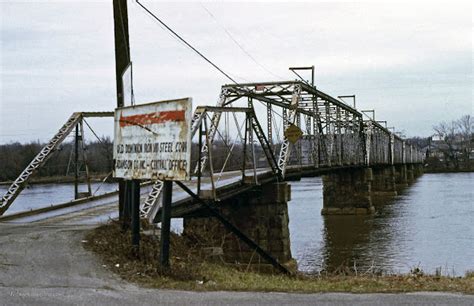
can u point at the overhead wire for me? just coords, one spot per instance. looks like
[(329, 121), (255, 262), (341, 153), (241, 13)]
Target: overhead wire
[(186, 43), (238, 44)]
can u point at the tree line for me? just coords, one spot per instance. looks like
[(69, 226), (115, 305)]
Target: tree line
[(453, 143), (15, 157), (449, 148)]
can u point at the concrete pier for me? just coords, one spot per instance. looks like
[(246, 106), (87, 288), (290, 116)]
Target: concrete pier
[(418, 170), (401, 179), (347, 192), (410, 173), (262, 216), (383, 183)]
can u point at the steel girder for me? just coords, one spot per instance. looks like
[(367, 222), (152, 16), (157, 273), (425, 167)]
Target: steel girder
[(40, 159)]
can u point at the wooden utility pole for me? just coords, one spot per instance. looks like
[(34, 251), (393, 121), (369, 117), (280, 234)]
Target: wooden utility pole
[(122, 60)]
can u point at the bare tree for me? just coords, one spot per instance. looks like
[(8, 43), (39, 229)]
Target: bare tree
[(456, 141), (465, 126), (447, 132)]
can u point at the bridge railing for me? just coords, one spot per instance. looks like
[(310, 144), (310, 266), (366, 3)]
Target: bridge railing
[(378, 141), (397, 150)]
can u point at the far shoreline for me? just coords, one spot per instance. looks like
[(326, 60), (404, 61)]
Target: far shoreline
[(100, 177), (96, 178)]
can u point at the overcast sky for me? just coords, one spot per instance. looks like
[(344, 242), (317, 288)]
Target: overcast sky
[(412, 63)]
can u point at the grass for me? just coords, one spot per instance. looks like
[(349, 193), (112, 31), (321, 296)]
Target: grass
[(190, 271)]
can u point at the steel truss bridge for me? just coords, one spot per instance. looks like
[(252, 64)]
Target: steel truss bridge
[(244, 141)]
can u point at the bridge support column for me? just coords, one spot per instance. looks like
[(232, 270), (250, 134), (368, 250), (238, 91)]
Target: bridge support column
[(401, 179), (383, 183), (410, 173), (347, 192), (262, 216), (418, 170)]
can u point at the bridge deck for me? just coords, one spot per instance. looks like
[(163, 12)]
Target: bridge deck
[(101, 209), (98, 210)]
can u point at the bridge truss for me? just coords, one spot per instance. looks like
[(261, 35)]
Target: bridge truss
[(75, 121), (247, 132)]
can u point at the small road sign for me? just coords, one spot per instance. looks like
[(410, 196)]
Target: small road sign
[(293, 133)]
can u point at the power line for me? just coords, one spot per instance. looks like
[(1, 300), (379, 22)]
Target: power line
[(238, 44), (185, 42)]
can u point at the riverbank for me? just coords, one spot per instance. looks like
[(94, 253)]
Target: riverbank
[(428, 170), (61, 179), (434, 165), (190, 271)]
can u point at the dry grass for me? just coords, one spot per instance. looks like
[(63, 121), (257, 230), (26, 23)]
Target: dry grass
[(189, 270)]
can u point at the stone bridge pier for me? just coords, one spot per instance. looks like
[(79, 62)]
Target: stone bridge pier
[(401, 176), (347, 192), (352, 191), (417, 170), (262, 215), (383, 183)]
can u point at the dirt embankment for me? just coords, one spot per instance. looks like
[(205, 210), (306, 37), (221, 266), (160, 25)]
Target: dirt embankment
[(191, 271)]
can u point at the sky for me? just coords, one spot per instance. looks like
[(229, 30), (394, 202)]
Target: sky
[(410, 61)]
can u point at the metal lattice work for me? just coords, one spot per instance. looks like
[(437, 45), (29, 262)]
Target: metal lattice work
[(292, 115), (332, 130), (151, 203), (40, 159), (212, 130), (266, 146), (334, 133), (329, 133)]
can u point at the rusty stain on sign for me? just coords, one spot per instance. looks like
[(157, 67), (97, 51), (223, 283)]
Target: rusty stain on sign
[(153, 141), (293, 133)]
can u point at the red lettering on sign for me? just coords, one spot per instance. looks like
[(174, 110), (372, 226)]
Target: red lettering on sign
[(152, 118)]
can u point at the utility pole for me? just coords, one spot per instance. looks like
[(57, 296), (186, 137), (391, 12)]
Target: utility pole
[(122, 60)]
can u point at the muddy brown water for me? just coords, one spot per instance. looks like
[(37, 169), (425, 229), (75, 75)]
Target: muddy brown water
[(429, 225)]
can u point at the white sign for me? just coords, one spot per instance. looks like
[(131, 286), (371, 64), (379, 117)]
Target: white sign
[(153, 141)]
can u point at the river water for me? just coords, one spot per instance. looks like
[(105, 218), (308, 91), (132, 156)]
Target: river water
[(44, 195), (429, 225)]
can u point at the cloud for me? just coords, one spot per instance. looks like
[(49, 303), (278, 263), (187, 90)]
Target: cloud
[(58, 57)]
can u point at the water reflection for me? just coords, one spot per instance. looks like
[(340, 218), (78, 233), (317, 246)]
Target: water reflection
[(346, 239)]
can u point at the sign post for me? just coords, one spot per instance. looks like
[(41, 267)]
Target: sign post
[(135, 205), (165, 224), (153, 142)]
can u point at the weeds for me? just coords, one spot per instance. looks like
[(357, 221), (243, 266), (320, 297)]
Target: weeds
[(189, 269)]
